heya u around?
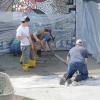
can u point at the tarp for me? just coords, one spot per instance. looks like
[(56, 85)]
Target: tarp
[(62, 26), (88, 25)]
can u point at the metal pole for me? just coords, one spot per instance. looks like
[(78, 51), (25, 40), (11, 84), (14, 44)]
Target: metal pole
[(75, 19)]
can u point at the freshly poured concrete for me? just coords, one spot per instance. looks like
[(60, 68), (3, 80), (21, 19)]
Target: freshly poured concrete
[(42, 82)]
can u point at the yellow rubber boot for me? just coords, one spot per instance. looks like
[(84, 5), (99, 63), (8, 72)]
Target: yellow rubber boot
[(25, 67), (32, 63)]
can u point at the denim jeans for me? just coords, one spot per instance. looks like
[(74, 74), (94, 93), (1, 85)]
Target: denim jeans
[(80, 67)]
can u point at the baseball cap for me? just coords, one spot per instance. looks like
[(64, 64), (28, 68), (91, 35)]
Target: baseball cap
[(25, 18), (79, 42)]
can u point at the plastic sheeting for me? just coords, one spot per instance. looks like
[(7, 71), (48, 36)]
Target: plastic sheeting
[(88, 25), (62, 26)]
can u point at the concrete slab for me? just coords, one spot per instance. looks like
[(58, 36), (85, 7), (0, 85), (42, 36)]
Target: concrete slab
[(47, 66), (42, 82)]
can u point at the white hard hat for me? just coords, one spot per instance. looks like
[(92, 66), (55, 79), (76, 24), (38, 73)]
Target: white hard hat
[(79, 42)]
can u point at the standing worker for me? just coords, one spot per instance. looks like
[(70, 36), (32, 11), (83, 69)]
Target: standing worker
[(25, 41), (77, 61)]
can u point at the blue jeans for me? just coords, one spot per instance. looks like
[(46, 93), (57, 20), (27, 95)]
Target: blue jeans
[(80, 67), (46, 38)]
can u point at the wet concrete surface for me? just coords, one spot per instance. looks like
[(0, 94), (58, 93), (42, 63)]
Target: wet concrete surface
[(42, 82), (47, 65)]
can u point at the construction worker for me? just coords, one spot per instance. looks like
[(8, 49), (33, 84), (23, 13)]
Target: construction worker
[(42, 37), (25, 42), (46, 38), (77, 61)]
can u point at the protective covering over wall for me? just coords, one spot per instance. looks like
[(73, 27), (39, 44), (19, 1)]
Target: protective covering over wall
[(56, 14), (88, 25), (62, 26), (7, 31)]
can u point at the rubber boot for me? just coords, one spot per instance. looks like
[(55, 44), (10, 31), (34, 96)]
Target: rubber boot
[(39, 53), (63, 79), (36, 57), (21, 60), (25, 67), (32, 63)]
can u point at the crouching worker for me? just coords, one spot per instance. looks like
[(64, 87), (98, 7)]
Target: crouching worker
[(25, 43), (43, 37), (46, 38), (77, 62)]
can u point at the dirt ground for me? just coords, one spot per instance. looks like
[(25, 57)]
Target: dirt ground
[(47, 65)]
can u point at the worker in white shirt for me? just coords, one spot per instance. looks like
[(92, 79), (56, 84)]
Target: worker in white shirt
[(25, 41)]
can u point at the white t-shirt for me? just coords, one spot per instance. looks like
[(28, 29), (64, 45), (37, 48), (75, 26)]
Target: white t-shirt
[(23, 31)]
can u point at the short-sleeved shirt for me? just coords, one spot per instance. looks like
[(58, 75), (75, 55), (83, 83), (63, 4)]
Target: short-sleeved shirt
[(42, 36), (78, 54), (39, 34), (23, 31)]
